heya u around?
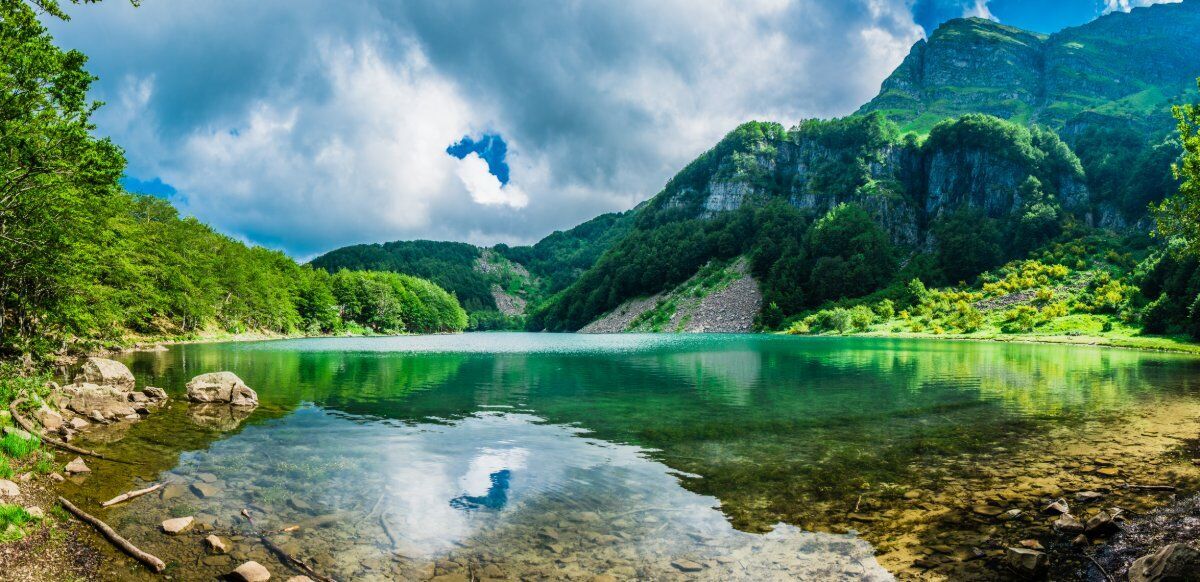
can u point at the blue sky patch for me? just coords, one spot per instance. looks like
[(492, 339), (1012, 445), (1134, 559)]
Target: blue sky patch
[(490, 147), (153, 187)]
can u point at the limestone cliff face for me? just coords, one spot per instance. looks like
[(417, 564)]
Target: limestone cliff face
[(902, 185)]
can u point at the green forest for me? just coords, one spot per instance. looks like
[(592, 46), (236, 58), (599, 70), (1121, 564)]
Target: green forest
[(84, 264)]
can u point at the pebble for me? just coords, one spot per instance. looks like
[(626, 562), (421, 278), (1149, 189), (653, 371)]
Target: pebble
[(57, 477)]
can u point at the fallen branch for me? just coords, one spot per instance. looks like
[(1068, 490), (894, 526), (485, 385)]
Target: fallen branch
[(1150, 487), (131, 495), (1101, 568), (28, 426), (286, 557), (156, 565)]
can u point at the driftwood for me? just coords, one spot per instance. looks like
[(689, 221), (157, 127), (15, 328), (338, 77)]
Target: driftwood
[(283, 555), (28, 426), (1150, 487), (131, 495), (156, 565)]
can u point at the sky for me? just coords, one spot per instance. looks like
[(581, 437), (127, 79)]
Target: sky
[(305, 125)]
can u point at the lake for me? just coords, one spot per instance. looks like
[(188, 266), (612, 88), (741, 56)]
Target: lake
[(512, 455)]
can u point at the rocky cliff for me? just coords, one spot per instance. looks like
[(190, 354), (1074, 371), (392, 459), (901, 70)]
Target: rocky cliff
[(976, 162), (1126, 68)]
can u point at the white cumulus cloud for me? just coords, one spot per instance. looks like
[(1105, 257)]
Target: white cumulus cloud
[(1127, 5), (486, 188)]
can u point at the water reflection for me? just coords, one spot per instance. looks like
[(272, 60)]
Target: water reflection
[(547, 454)]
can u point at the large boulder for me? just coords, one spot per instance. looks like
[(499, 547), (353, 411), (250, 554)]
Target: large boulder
[(1173, 563), (221, 387), (100, 403), (105, 373)]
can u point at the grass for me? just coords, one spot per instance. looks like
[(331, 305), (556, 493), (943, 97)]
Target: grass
[(19, 448), (12, 518), (6, 471)]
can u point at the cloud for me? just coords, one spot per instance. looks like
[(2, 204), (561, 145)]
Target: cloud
[(931, 13), (485, 187), (1127, 5), (305, 125)]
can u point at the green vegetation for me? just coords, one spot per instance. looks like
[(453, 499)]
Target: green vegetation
[(12, 518), (84, 264)]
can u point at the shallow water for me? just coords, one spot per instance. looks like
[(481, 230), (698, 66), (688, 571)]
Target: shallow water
[(568, 456)]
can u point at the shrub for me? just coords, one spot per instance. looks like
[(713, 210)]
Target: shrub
[(861, 317), (885, 309)]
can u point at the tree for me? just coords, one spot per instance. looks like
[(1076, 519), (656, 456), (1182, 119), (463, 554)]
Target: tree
[(56, 181), (968, 243), (1179, 215)]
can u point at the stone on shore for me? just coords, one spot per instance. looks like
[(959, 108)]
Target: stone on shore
[(105, 372), (155, 394), (178, 525), (299, 579), (9, 489), (1067, 523), (77, 466), (221, 387), (97, 402), (250, 572), (35, 512), (50, 419), (21, 434), (1026, 562), (1174, 562)]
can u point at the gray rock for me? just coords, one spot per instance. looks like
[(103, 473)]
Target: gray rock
[(77, 466), (1100, 524), (1058, 506), (1026, 562), (178, 525), (216, 545), (153, 393), (1067, 523), (221, 387), (78, 423), (9, 489), (50, 419), (250, 572), (35, 512), (1173, 563), (106, 372)]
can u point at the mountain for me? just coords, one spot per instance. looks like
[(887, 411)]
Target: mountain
[(1126, 68), (500, 279), (955, 168)]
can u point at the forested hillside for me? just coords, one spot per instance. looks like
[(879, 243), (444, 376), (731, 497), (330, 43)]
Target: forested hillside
[(956, 169), (84, 264), (478, 276)]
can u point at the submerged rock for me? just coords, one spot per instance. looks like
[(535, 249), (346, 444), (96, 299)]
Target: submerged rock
[(105, 372), (250, 572), (1067, 523), (77, 466), (221, 387), (1173, 563), (178, 525), (1058, 506), (216, 545), (1026, 562)]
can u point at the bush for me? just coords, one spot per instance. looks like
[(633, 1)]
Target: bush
[(861, 317)]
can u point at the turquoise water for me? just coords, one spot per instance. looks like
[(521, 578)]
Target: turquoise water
[(557, 456)]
